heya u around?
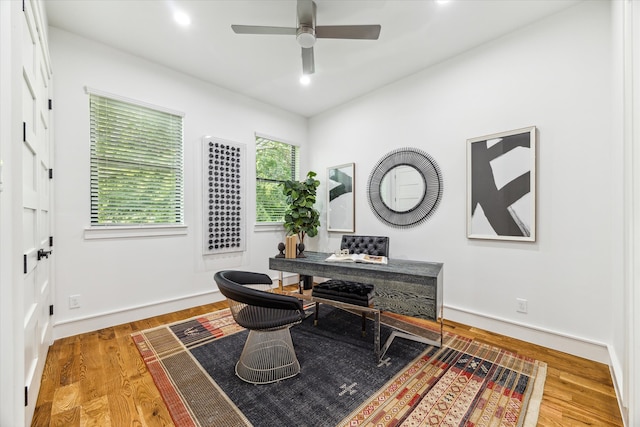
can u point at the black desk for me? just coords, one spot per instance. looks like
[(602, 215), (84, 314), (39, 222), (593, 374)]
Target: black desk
[(410, 288)]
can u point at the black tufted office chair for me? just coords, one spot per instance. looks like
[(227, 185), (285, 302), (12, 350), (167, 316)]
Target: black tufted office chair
[(268, 354), (355, 293)]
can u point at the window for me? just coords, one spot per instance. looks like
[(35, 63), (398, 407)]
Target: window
[(136, 164), (276, 162)]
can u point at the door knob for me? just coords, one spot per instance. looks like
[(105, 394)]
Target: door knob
[(43, 254)]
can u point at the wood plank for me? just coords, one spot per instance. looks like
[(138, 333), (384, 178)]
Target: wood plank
[(66, 398), (69, 418), (149, 402), (92, 375), (96, 413), (42, 414), (69, 355)]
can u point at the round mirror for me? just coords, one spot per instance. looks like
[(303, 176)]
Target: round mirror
[(402, 188), (405, 187)]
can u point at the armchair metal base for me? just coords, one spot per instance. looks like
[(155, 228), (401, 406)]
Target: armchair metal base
[(267, 357)]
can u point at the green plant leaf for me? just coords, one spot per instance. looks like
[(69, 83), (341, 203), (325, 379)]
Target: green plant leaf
[(300, 217)]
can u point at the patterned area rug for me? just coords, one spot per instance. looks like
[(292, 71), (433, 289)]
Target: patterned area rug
[(464, 383)]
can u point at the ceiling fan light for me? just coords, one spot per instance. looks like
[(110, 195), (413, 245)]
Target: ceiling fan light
[(182, 18), (306, 37)]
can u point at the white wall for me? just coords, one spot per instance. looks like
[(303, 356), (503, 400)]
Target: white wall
[(556, 75), (120, 280)]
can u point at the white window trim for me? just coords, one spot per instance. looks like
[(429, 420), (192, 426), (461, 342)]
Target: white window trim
[(96, 232), (97, 92), (125, 231), (268, 226)]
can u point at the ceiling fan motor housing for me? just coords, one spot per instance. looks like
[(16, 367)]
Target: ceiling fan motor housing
[(306, 36)]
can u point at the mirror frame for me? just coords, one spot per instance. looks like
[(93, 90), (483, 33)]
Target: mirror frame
[(430, 172)]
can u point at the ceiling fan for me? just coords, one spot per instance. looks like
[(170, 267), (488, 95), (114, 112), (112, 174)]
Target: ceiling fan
[(307, 32)]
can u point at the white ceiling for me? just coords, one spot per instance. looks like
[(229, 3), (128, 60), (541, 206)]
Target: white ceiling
[(415, 35)]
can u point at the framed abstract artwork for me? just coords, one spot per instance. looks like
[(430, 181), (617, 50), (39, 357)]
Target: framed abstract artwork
[(341, 214), (224, 211), (501, 186)]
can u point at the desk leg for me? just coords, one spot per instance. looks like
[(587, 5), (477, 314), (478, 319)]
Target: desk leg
[(306, 282), (376, 334), (280, 281)]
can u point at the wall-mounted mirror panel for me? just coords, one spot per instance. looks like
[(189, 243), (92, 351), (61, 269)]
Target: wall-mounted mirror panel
[(402, 188), (341, 202), (405, 187)]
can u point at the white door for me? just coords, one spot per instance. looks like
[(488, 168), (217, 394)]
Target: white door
[(36, 200), (409, 188)]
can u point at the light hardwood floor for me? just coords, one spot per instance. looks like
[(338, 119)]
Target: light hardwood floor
[(99, 379)]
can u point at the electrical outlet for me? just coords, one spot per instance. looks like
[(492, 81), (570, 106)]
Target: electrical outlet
[(74, 301), (521, 305)]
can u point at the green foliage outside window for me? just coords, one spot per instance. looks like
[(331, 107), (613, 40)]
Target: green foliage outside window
[(136, 164), (276, 162)]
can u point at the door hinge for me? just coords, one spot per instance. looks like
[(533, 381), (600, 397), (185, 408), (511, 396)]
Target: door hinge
[(25, 263), (50, 173), (26, 396), (24, 131), (50, 241), (51, 310), (50, 104)]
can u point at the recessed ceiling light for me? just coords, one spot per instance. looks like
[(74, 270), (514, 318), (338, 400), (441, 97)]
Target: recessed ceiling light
[(182, 18), (305, 79), (442, 1)]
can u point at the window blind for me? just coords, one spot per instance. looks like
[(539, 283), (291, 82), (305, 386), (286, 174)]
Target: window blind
[(276, 162), (136, 164)]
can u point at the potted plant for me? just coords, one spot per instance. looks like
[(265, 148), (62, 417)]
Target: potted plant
[(300, 217)]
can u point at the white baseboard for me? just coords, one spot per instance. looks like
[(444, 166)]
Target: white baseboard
[(577, 346), (93, 322), (81, 325)]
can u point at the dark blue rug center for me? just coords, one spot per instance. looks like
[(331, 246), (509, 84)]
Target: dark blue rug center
[(338, 371)]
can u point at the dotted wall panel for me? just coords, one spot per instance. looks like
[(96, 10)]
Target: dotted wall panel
[(224, 195)]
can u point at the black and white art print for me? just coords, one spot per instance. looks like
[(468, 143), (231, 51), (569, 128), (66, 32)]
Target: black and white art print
[(501, 192), (341, 214)]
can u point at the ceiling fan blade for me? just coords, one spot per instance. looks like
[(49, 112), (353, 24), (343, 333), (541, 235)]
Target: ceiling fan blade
[(365, 32), (308, 65), (307, 13), (306, 32), (256, 29)]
